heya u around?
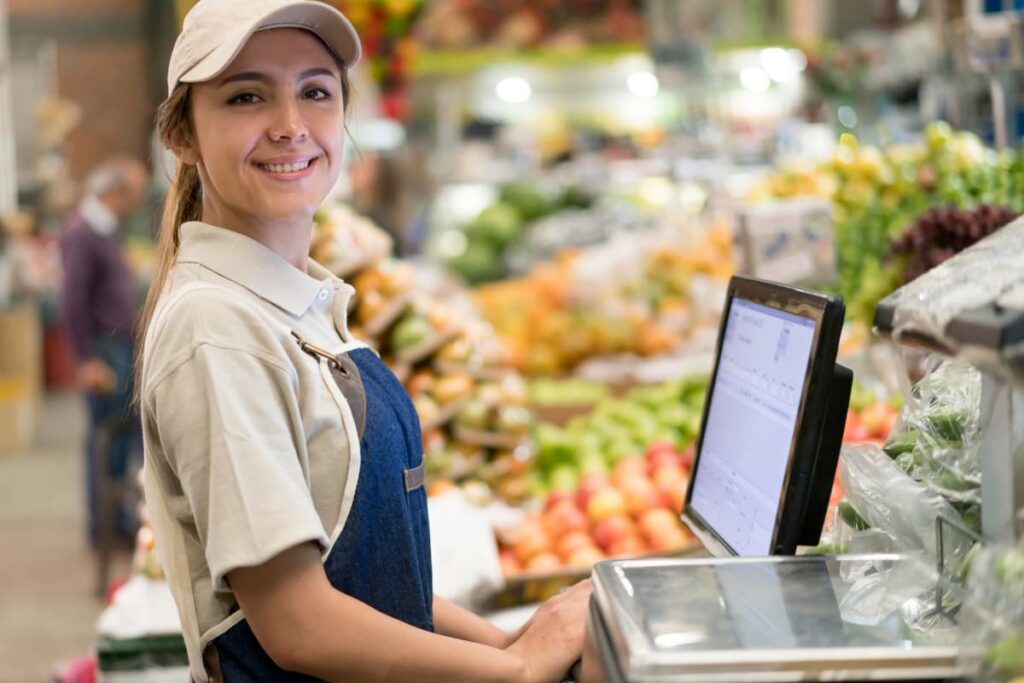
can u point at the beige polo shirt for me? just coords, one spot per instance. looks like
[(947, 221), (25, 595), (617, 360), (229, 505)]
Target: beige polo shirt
[(249, 446)]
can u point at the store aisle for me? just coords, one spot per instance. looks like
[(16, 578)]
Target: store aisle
[(47, 608)]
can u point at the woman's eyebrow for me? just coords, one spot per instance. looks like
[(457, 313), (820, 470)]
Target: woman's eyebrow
[(264, 78), (244, 76), (317, 71)]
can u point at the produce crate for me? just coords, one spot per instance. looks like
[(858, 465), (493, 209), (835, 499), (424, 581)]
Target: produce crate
[(529, 588)]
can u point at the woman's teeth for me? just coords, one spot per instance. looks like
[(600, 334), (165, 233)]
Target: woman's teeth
[(286, 168)]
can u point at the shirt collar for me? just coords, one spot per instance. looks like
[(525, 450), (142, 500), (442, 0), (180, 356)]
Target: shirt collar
[(252, 265), (101, 219)]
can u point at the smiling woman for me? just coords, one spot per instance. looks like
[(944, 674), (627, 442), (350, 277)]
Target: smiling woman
[(284, 461), (269, 139)]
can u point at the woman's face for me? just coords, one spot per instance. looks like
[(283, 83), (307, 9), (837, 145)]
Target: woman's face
[(269, 131)]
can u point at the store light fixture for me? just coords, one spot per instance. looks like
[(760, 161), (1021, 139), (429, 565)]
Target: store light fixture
[(779, 65), (513, 90), (643, 84), (754, 79)]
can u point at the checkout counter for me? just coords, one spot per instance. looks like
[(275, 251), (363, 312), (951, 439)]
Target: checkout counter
[(765, 462)]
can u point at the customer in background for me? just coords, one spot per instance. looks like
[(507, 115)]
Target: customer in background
[(99, 302)]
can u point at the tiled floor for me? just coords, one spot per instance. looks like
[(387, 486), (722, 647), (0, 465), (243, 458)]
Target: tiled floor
[(47, 573)]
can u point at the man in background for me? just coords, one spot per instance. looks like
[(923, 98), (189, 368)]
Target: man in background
[(98, 302)]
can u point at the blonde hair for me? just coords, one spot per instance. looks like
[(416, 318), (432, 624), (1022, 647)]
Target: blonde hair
[(184, 200)]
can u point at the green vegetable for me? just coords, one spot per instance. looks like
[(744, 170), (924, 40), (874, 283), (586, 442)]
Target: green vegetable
[(948, 425), (901, 443), (851, 517)]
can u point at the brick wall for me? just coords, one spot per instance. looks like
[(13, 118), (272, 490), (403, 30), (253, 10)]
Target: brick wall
[(106, 64)]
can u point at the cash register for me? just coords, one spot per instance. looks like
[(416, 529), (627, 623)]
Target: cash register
[(764, 466)]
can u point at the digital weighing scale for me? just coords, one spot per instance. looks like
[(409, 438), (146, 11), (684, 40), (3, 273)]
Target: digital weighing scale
[(763, 472)]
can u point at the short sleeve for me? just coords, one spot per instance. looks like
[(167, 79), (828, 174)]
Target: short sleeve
[(228, 423)]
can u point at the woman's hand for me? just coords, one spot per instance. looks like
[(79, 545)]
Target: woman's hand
[(552, 640)]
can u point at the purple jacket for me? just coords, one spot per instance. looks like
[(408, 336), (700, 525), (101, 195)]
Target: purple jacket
[(99, 295)]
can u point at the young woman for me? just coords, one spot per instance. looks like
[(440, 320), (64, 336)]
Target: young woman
[(283, 459)]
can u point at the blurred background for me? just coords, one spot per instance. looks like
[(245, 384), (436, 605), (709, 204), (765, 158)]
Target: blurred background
[(542, 206)]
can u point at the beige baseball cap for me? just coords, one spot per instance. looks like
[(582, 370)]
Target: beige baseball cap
[(215, 31)]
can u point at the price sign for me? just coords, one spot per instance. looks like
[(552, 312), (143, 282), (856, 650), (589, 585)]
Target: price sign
[(790, 241)]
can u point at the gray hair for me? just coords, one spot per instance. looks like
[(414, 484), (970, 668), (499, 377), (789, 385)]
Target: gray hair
[(112, 175)]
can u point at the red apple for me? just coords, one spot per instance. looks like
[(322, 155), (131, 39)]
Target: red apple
[(556, 497), (571, 542), (855, 429), (612, 529), (510, 566), (676, 498), (563, 518), (878, 419), (543, 563), (657, 447), (664, 458), (627, 546), (628, 468), (669, 478), (642, 495), (669, 538), (585, 557), (655, 521), (531, 540), (606, 503), (590, 483)]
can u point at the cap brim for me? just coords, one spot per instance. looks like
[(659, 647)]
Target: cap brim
[(324, 21)]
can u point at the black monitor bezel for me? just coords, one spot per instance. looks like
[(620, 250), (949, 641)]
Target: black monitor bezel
[(828, 311)]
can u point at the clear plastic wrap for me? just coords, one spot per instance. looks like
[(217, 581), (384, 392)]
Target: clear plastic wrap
[(986, 274), (938, 437), (996, 626), (885, 510)]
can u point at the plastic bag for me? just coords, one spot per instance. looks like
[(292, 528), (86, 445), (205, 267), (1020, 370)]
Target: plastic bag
[(938, 437), (996, 626), (985, 274), (884, 504)]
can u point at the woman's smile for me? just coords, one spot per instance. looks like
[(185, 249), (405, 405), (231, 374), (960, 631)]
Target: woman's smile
[(288, 168)]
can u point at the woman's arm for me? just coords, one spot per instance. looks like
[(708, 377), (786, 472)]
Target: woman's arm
[(452, 620), (306, 625)]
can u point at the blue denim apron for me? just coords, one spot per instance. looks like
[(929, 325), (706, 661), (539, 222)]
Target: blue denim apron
[(382, 556)]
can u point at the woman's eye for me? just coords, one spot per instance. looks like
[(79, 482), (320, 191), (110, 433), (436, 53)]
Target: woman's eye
[(244, 98), (318, 94)]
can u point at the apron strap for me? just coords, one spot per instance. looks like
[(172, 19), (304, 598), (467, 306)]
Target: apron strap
[(346, 376)]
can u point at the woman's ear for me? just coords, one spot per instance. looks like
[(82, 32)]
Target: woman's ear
[(185, 150)]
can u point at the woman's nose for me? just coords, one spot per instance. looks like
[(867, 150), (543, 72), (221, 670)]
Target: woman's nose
[(288, 124)]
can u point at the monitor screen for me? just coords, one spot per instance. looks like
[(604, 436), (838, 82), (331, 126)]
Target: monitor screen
[(749, 431)]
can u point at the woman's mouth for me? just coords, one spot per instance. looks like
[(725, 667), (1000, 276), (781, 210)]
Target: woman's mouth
[(288, 170)]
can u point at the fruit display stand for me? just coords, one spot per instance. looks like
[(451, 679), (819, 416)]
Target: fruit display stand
[(906, 207), (472, 405), (646, 296)]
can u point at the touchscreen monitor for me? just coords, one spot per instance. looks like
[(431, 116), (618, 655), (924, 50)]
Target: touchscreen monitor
[(762, 421)]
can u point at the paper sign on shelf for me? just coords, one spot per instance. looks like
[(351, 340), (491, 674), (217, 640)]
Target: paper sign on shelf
[(790, 241)]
